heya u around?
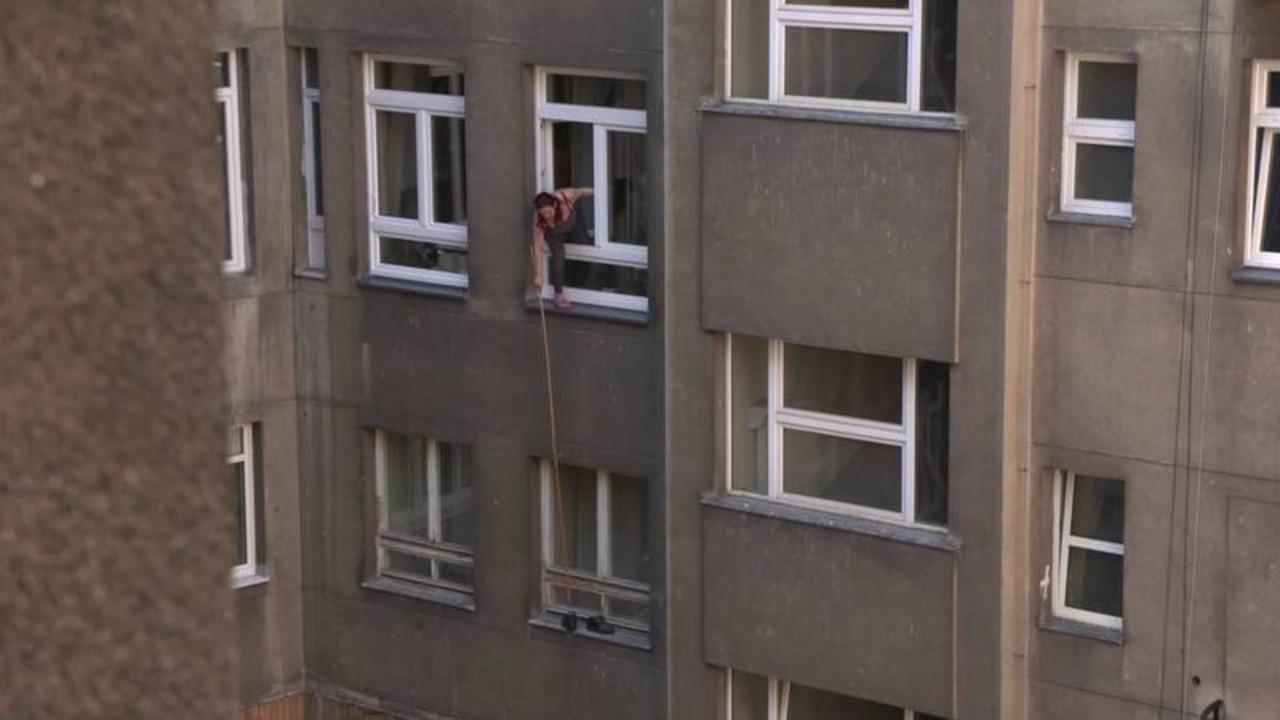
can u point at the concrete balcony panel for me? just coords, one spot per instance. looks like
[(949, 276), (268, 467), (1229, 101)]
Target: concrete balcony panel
[(829, 232)]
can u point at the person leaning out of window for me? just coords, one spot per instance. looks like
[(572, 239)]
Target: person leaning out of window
[(555, 222)]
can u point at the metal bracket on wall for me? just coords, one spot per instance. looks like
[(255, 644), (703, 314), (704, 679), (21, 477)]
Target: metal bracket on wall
[(1216, 710)]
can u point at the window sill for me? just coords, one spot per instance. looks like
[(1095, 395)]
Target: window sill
[(550, 620), (258, 578), (905, 120), (1257, 275), (441, 596), (766, 507), (591, 312), (374, 282), (1078, 218), (1115, 636), (311, 273)]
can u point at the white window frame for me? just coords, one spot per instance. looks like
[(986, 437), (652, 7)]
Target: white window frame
[(310, 104), (781, 419), (1078, 131), (423, 106), (908, 21), (602, 581), (228, 101), (603, 120), (1266, 120), (780, 699), (435, 550), (1063, 541), (248, 571)]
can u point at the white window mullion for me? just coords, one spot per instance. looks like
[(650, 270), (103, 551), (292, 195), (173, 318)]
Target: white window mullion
[(784, 700), (775, 390), (426, 174), (604, 545), (728, 414), (1263, 158), (909, 367), (250, 499), (433, 491), (915, 52), (1102, 546), (1068, 492), (600, 173), (777, 54)]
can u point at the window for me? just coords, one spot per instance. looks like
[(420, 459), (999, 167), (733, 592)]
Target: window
[(425, 511), (1098, 135), (1263, 243), (894, 55), (595, 548), (592, 134), (234, 216), (312, 168), (250, 563), (839, 430), (755, 697), (1088, 561), (417, 170)]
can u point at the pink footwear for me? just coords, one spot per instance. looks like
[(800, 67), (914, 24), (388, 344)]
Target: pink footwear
[(562, 302)]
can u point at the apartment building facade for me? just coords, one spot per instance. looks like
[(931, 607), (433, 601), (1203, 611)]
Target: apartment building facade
[(916, 365)]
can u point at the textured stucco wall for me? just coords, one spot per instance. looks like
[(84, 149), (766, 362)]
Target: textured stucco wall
[(114, 522)]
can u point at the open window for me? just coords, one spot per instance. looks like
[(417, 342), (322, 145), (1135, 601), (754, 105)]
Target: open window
[(425, 512), (1262, 244), (250, 565), (595, 549), (880, 55), (756, 697), (415, 113), (227, 95), (840, 430), (591, 132), (1088, 559), (312, 167)]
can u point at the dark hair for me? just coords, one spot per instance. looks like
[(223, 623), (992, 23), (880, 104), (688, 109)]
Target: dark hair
[(545, 199)]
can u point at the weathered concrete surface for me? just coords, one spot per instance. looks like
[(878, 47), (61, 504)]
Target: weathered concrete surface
[(114, 527)]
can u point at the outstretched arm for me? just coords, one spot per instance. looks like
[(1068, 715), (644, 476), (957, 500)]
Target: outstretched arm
[(536, 251), (573, 195)]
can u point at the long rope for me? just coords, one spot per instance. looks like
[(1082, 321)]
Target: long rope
[(555, 441)]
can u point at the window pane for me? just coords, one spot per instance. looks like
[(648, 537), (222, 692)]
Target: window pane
[(422, 255), (310, 68), (938, 76), (598, 91), (628, 210), (847, 64), (224, 162), (1107, 90), (933, 391), (1097, 510), (397, 164), (850, 471), (456, 574), (637, 612), (448, 153), (1104, 172), (457, 504), (629, 527), (603, 277), (222, 70), (408, 564), (1273, 89), (750, 696), (577, 501), (413, 77), (897, 4), (573, 158), (242, 545), (1095, 581), (317, 169), (750, 413), (843, 383), (407, 498), (749, 71), (589, 602), (813, 704), (1270, 230)]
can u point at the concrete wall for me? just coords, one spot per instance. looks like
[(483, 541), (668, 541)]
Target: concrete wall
[(114, 522), (1154, 364)]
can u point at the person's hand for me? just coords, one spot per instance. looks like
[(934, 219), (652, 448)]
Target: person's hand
[(541, 246)]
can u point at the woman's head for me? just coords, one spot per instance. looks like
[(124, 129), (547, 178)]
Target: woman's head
[(547, 209)]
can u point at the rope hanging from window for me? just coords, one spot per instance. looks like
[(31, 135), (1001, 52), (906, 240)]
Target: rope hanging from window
[(555, 445)]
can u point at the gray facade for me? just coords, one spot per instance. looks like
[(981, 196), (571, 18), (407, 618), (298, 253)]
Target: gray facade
[(1136, 349)]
